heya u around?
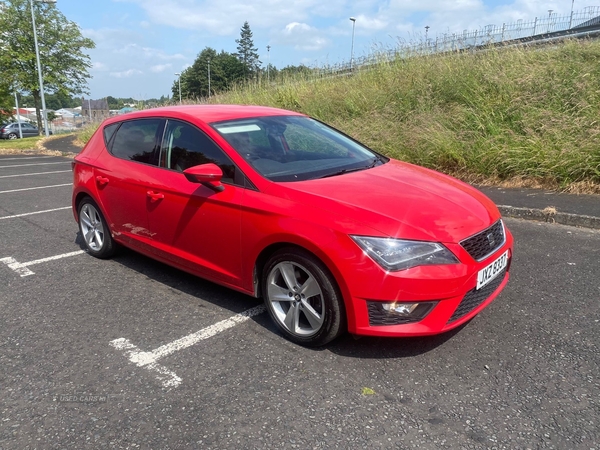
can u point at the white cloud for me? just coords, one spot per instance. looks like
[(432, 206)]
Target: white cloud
[(160, 68), (126, 73), (302, 37)]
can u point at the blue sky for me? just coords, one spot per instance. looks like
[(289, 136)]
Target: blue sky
[(141, 44)]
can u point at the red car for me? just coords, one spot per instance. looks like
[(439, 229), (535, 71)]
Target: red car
[(274, 204)]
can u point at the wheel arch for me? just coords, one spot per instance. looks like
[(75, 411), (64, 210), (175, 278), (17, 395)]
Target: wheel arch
[(328, 265)]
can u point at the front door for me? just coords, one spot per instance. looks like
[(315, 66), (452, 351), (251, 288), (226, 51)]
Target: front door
[(192, 225)]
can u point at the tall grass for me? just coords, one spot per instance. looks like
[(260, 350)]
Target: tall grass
[(529, 114)]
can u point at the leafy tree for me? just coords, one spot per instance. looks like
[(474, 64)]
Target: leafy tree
[(225, 71), (61, 46), (246, 52)]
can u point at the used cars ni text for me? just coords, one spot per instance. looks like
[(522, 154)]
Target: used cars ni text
[(275, 204)]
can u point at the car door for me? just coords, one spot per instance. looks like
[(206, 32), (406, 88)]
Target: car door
[(120, 175), (192, 225), (28, 130)]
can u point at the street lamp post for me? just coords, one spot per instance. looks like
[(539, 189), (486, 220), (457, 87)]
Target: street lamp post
[(179, 80), (268, 62), (352, 47), (39, 66), (571, 19), (426, 32), (209, 78)]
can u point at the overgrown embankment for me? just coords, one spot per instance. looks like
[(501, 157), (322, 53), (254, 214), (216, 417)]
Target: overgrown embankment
[(517, 115)]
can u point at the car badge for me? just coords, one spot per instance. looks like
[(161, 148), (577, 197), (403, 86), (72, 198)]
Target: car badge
[(491, 240)]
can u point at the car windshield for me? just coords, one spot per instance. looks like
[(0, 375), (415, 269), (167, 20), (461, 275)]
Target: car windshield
[(295, 148)]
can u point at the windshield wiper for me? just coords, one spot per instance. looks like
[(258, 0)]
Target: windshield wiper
[(356, 169)]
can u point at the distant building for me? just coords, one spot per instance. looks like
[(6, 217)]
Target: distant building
[(96, 110)]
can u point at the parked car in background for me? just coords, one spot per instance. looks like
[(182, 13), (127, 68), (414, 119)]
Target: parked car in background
[(11, 130), (331, 234)]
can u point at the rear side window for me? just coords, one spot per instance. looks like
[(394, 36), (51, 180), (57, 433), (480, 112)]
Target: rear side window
[(109, 131), (136, 140)]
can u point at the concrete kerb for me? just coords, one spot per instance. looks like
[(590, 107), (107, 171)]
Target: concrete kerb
[(550, 215)]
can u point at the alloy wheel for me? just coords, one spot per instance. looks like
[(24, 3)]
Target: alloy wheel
[(296, 299)]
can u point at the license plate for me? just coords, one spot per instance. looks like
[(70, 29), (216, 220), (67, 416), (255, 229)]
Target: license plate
[(488, 273)]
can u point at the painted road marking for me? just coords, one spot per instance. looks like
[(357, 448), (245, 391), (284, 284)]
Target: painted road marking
[(22, 268), (168, 378), (29, 174), (27, 157), (33, 188), (36, 212), (36, 164)]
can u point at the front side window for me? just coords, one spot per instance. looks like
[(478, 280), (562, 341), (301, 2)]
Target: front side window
[(295, 148), (185, 146), (136, 140)]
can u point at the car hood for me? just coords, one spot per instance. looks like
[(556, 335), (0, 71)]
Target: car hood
[(400, 200)]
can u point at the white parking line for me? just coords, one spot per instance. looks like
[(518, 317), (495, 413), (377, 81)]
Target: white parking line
[(167, 377), (35, 212), (26, 157), (37, 164), (34, 188), (29, 174), (22, 268)]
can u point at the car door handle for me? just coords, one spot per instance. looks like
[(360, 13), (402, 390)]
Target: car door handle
[(154, 196), (101, 180)]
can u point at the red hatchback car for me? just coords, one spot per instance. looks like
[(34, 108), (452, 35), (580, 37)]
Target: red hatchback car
[(272, 203)]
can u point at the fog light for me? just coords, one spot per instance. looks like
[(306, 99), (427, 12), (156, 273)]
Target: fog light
[(398, 313), (404, 309)]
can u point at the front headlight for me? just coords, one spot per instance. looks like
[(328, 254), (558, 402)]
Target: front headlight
[(399, 254)]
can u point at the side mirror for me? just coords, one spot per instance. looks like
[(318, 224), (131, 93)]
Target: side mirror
[(208, 175)]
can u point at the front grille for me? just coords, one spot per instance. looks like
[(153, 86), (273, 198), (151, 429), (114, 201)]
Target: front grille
[(474, 297), (485, 242)]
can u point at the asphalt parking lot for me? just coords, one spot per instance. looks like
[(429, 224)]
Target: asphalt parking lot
[(130, 353)]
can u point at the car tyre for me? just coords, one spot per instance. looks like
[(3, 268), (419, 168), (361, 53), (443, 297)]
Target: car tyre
[(12, 136), (94, 230), (302, 298)]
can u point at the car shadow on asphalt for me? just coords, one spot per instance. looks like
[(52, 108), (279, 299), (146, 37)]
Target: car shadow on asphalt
[(346, 345)]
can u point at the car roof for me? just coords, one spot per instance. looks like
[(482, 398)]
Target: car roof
[(208, 113)]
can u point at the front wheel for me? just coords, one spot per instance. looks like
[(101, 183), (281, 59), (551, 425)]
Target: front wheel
[(94, 230), (302, 298)]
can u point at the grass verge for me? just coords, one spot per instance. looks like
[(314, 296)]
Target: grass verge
[(511, 116)]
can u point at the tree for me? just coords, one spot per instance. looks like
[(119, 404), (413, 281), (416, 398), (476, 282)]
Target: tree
[(225, 71), (61, 46), (246, 52)]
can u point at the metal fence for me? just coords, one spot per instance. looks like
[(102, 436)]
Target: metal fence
[(487, 35)]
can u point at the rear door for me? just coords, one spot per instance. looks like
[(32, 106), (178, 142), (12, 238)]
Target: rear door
[(121, 176)]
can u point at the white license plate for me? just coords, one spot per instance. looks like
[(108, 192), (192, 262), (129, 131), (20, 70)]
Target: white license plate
[(488, 273)]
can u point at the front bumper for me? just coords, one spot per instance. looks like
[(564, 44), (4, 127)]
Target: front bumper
[(452, 288)]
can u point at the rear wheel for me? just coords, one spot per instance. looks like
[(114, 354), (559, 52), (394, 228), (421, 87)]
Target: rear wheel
[(13, 136), (94, 230), (302, 298)]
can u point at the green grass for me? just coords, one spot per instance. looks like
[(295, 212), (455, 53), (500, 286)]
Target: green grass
[(529, 113), (19, 144)]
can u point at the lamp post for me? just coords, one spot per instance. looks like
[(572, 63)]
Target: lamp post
[(179, 80), (426, 32), (352, 47), (209, 78), (39, 66), (268, 62), (571, 19)]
